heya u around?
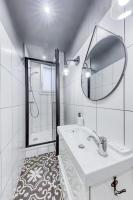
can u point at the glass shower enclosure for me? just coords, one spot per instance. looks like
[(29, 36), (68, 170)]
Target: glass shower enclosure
[(40, 102)]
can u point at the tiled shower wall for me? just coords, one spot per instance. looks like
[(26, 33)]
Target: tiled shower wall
[(44, 101), (12, 115), (113, 116)]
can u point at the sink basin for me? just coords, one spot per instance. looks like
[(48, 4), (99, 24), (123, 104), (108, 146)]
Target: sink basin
[(92, 168)]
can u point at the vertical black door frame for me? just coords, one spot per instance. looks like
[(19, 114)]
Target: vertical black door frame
[(26, 104), (57, 98), (56, 63)]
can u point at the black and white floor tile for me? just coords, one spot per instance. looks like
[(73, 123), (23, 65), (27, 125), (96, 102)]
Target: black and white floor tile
[(39, 179)]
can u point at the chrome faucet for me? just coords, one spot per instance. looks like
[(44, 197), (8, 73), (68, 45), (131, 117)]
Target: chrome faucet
[(101, 142)]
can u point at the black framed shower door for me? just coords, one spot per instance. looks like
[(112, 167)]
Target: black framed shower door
[(57, 92)]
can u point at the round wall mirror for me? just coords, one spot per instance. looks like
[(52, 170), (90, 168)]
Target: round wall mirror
[(104, 65)]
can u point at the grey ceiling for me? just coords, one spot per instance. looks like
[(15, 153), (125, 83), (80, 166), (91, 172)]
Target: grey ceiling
[(42, 34), (45, 33)]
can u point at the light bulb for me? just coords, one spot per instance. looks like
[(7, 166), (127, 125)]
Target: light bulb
[(47, 9), (125, 15), (88, 73), (66, 71), (123, 2), (72, 63), (44, 57)]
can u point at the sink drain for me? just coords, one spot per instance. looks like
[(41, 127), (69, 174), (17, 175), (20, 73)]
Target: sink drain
[(81, 146)]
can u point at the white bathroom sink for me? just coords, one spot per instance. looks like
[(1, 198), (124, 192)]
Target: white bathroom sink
[(92, 167)]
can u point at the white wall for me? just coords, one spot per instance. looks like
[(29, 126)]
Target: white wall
[(113, 116), (10, 26), (12, 115)]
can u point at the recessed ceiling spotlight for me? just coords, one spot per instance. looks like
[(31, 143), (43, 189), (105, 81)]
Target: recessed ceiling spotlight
[(44, 57), (123, 2), (47, 9)]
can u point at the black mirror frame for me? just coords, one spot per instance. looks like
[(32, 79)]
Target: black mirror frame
[(124, 68)]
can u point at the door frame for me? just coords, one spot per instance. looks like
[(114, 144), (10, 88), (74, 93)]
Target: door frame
[(56, 64)]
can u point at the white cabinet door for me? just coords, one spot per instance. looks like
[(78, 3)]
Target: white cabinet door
[(76, 187), (104, 191)]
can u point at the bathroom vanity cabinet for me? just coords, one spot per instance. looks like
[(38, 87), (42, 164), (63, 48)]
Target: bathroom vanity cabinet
[(71, 183), (76, 187)]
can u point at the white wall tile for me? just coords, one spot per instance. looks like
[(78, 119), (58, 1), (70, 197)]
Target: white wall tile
[(129, 30), (5, 126), (129, 129), (105, 91), (80, 98), (69, 115), (12, 115), (6, 164), (118, 68), (107, 126), (6, 49), (16, 120), (15, 176), (51, 148), (129, 81), (89, 114), (35, 151), (42, 150), (115, 100), (0, 176), (99, 79), (17, 98), (115, 26), (31, 152), (7, 193), (107, 75), (5, 88)]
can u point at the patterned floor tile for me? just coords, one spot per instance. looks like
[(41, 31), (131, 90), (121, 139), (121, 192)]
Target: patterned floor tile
[(39, 179)]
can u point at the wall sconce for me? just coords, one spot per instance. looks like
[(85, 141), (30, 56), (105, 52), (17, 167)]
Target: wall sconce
[(75, 61), (88, 70)]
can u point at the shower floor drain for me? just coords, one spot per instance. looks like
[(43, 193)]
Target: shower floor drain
[(81, 146)]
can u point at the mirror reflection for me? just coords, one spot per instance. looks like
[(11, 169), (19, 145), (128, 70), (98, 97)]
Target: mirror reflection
[(104, 65)]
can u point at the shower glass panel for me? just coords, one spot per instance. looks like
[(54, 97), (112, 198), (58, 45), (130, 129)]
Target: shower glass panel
[(42, 102)]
